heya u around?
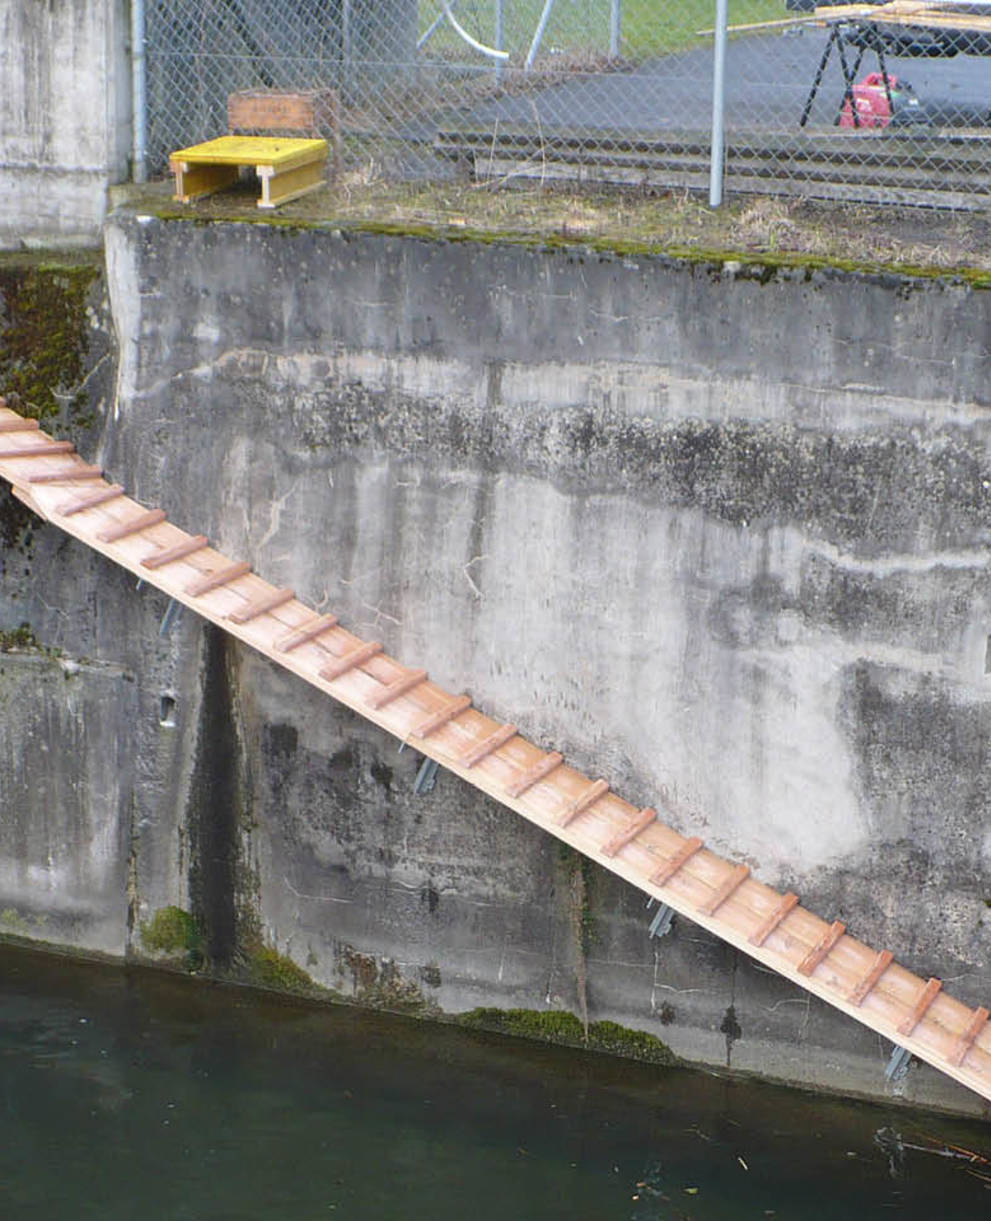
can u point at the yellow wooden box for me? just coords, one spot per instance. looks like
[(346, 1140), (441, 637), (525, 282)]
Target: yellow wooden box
[(286, 168)]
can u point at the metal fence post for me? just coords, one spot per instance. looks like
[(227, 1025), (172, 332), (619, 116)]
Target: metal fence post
[(615, 27), (139, 94), (718, 150)]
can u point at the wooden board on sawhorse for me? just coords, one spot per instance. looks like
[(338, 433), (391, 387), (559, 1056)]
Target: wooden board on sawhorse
[(286, 168)]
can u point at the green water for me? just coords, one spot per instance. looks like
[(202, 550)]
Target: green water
[(131, 1096)]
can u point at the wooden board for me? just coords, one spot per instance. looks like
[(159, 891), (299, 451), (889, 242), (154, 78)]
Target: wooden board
[(280, 152), (907, 13), (719, 895)]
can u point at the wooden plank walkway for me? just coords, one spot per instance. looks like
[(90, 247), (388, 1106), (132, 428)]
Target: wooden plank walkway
[(720, 895)]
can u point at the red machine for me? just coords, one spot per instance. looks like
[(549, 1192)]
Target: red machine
[(871, 99)]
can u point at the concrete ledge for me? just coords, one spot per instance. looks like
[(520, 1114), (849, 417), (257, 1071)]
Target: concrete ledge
[(51, 204)]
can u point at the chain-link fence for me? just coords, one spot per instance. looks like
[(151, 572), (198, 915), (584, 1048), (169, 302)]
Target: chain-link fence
[(593, 90)]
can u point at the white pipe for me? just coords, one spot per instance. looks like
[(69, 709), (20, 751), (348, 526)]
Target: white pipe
[(139, 94), (478, 46), (718, 152)]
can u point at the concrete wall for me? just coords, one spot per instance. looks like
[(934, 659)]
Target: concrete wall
[(718, 534), (64, 115), (66, 785)]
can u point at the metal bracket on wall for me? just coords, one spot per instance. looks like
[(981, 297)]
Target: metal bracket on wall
[(898, 1064), (426, 777), (173, 613), (660, 926)]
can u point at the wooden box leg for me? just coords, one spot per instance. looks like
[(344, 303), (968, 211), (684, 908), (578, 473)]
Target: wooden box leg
[(290, 184), (194, 181)]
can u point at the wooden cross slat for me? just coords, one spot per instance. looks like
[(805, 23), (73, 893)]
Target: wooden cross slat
[(68, 474), (921, 1006), (350, 661), (481, 750), (38, 451), (262, 605), (822, 947), (21, 424), (309, 631), (392, 691), (543, 767), (969, 1036), (100, 497), (630, 832), (170, 555), (143, 521), (733, 881), (880, 964), (214, 580), (436, 720), (787, 904), (678, 861), (581, 804)]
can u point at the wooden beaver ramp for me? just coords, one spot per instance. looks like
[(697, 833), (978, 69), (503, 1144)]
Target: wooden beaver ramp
[(819, 956)]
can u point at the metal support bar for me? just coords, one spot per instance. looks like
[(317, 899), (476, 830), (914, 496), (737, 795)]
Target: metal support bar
[(538, 34), (426, 777), (434, 26), (847, 84), (898, 1064), (882, 64), (173, 613), (660, 926), (834, 34)]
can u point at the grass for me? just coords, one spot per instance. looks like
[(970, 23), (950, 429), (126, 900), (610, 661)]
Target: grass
[(578, 30), (763, 229)]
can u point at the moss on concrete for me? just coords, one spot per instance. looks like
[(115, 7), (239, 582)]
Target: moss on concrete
[(43, 335), (559, 1026), (765, 236), (19, 639), (379, 984), (267, 968), (14, 924), (43, 348), (764, 268), (174, 932)]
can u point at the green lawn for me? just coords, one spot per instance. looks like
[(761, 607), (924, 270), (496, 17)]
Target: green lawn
[(579, 29)]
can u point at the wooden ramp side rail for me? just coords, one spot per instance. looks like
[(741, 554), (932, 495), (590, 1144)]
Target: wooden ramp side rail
[(633, 843)]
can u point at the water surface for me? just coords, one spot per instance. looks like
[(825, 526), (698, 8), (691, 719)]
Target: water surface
[(135, 1096)]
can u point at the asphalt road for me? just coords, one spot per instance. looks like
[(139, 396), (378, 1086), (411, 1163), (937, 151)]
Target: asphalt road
[(768, 78)]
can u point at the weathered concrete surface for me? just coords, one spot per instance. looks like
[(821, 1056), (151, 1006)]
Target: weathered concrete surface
[(66, 785), (720, 537), (64, 115)]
